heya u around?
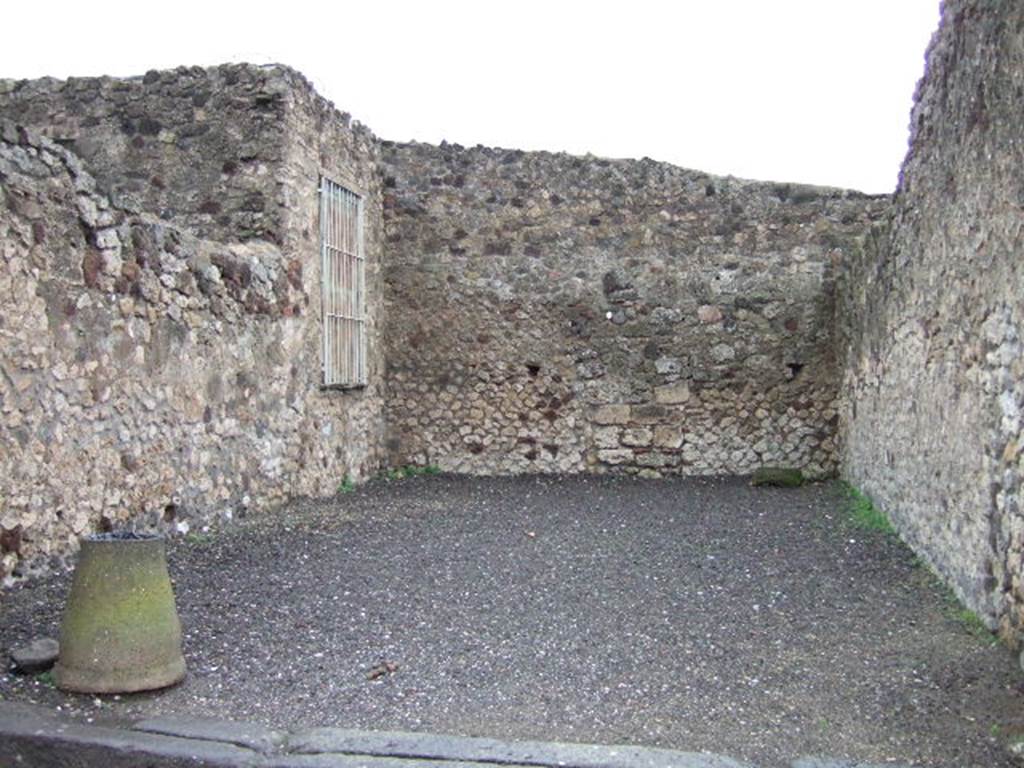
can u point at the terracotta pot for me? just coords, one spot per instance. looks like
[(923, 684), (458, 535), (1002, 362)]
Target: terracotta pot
[(120, 631)]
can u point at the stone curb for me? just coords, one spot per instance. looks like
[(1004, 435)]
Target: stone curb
[(41, 738), (495, 752)]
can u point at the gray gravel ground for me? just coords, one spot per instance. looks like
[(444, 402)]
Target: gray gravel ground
[(691, 614)]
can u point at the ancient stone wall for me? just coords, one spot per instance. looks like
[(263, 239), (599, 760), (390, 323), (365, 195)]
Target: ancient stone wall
[(528, 312), (932, 312), (556, 313), (321, 140), (197, 147), (164, 367)]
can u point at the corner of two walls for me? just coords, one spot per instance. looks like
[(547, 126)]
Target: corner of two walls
[(933, 311), (550, 313), (320, 140)]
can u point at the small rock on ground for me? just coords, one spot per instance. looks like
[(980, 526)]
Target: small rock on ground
[(37, 656)]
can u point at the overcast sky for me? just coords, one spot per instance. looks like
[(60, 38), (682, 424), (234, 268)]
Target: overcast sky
[(815, 91)]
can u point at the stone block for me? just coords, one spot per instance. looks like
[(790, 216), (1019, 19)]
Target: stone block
[(668, 437), (607, 437), (722, 353), (611, 414), (649, 414), (637, 436), (708, 313), (668, 365), (421, 748), (615, 456), (37, 656), (672, 394), (652, 459), (248, 735)]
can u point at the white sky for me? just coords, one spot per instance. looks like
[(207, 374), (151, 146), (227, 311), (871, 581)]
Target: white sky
[(815, 91)]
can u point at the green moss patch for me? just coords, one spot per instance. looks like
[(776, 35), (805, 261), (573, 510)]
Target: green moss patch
[(778, 477), (864, 514)]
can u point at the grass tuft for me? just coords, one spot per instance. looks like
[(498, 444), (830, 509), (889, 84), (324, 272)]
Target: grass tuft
[(967, 618), (400, 473), (972, 623), (952, 608), (864, 514)]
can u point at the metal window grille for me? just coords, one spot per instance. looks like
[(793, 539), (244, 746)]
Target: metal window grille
[(343, 280)]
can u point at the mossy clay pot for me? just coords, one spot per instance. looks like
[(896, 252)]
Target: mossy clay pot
[(120, 631)]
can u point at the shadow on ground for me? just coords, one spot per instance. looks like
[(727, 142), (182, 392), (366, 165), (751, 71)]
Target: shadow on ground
[(690, 614)]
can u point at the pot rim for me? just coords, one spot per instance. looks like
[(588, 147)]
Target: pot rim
[(121, 537)]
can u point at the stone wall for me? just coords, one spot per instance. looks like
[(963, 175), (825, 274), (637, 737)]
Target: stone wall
[(556, 313), (933, 313), (321, 140), (198, 147), (163, 367), (528, 312)]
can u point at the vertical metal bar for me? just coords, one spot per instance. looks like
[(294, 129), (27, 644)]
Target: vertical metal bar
[(360, 322), (335, 371), (361, 284), (349, 281), (354, 289), (333, 283), (352, 293), (342, 341), (343, 289), (353, 335), (323, 284), (328, 191), (339, 284), (330, 284)]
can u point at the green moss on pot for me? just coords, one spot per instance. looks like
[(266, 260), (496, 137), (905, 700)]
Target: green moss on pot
[(120, 631)]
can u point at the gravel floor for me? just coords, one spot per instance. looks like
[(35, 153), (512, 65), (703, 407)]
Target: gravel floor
[(692, 614)]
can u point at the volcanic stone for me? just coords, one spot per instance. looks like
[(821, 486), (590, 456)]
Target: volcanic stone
[(37, 656)]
